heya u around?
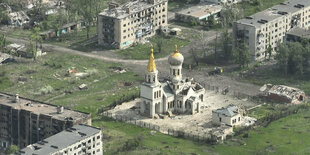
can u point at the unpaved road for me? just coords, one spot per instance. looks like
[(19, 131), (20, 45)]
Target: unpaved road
[(139, 66)]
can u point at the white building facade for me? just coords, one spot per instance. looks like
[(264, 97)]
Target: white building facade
[(177, 95), (269, 27), (121, 26), (229, 115)]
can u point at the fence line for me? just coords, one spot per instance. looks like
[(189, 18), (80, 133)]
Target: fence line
[(206, 137)]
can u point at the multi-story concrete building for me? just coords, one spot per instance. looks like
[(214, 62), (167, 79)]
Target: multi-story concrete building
[(78, 140), (25, 121), (198, 13), (269, 27), (228, 2), (121, 26)]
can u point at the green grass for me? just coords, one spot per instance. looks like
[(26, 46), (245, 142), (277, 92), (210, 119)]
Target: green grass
[(250, 9), (19, 33), (141, 51), (284, 136), (51, 70), (274, 76), (288, 135), (75, 39)]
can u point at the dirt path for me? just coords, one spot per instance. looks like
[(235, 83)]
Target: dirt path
[(139, 66)]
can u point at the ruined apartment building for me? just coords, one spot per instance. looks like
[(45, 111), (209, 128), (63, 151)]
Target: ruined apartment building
[(79, 140), (270, 26), (121, 26), (24, 121)]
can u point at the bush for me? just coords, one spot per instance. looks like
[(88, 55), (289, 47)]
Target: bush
[(132, 144), (91, 71), (46, 90)]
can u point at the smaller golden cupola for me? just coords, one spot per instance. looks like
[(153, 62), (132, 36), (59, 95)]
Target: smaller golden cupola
[(151, 67), (176, 58)]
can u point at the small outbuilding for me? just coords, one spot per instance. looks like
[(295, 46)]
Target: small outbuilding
[(230, 115)]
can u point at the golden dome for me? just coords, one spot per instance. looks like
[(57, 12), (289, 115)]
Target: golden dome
[(176, 58), (151, 67)]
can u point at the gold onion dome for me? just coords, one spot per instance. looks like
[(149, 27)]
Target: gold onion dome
[(176, 58), (151, 67)]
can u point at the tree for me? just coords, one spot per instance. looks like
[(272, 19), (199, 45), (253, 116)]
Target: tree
[(12, 150), (282, 56), (2, 42), (88, 10), (293, 57), (211, 21), (226, 44), (194, 53), (194, 22), (295, 63), (203, 42), (268, 51), (159, 44), (4, 18), (57, 22), (31, 50), (228, 15), (35, 36), (242, 55)]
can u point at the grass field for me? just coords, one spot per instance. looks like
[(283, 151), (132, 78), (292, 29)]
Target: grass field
[(29, 78), (274, 76), (287, 135), (141, 51)]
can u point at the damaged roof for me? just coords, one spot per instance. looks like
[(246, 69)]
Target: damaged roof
[(61, 140), (167, 90), (134, 7), (230, 110), (275, 12), (38, 107)]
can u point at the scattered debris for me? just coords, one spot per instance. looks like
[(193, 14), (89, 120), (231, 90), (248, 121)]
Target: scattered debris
[(118, 70), (281, 93), (83, 87), (6, 58), (18, 19), (169, 113), (153, 132)]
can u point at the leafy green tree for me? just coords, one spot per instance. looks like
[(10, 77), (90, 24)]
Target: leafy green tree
[(159, 44), (35, 36), (2, 42), (4, 18), (295, 64), (194, 22), (228, 15), (211, 21), (226, 43), (87, 10), (242, 55), (32, 50), (268, 51), (12, 150), (293, 57), (282, 57)]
